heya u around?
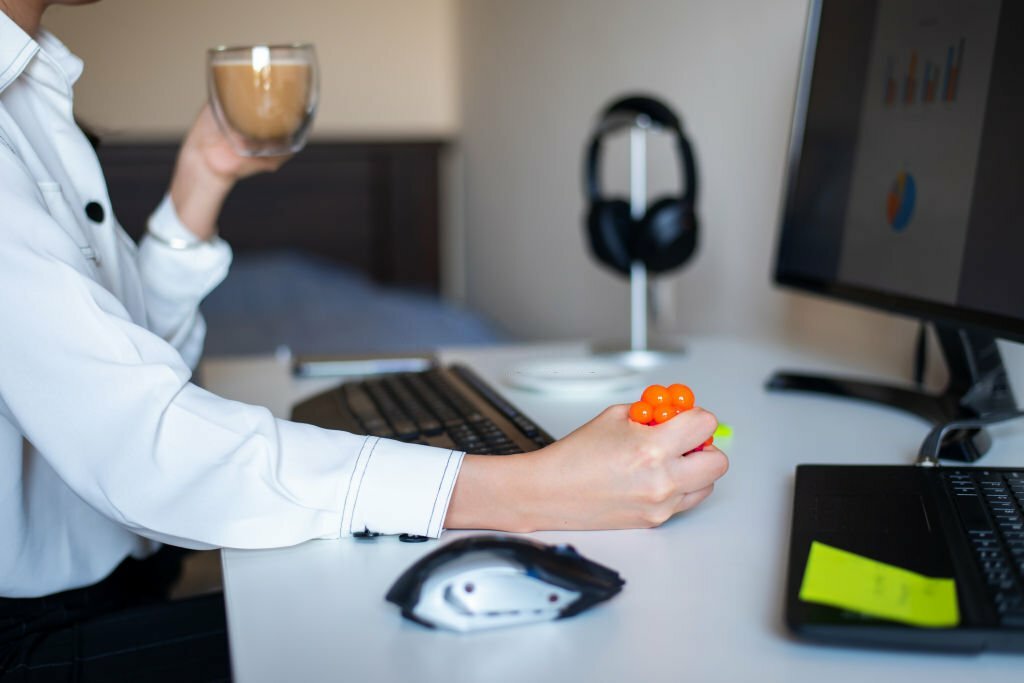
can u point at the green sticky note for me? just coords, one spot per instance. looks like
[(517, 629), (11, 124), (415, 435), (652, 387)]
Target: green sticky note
[(842, 579), (723, 431)]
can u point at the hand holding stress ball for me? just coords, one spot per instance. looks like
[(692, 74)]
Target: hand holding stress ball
[(659, 404)]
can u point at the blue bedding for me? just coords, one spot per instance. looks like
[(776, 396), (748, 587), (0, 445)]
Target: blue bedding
[(313, 306)]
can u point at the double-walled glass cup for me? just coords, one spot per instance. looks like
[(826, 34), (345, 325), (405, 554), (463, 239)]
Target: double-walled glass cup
[(264, 96)]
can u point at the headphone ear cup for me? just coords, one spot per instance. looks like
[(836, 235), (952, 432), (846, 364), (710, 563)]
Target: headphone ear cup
[(609, 225), (668, 235)]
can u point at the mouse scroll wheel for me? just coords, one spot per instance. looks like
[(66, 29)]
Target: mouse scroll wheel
[(566, 549)]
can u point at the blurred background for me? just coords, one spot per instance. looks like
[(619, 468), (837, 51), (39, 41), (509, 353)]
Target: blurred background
[(451, 133)]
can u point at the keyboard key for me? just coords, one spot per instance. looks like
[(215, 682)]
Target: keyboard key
[(994, 566), (1013, 620), (440, 408), (425, 421), (972, 513), (1009, 599), (399, 420), (1005, 583), (365, 410), (998, 498), (526, 426)]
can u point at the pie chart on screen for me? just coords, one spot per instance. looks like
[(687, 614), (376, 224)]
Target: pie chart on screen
[(899, 205)]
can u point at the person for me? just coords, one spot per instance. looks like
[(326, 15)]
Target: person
[(108, 450)]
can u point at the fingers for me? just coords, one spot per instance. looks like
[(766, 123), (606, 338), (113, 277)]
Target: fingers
[(685, 431), (693, 499), (680, 503), (699, 470)]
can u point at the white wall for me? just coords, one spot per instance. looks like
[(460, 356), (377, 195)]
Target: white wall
[(387, 66), (534, 73)]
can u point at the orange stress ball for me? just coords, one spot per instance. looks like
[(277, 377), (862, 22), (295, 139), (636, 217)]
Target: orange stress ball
[(655, 395), (681, 396), (659, 404), (664, 413), (641, 412)]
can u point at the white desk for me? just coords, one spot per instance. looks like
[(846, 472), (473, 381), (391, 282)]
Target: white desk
[(704, 593)]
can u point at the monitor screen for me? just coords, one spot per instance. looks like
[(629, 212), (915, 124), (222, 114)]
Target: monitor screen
[(906, 169)]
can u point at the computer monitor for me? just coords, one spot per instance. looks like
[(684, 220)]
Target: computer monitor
[(905, 187)]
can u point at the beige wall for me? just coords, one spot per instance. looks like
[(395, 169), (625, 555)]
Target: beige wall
[(518, 83), (533, 75), (387, 66)]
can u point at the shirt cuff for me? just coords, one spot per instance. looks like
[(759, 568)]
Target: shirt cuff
[(400, 488), (180, 274)]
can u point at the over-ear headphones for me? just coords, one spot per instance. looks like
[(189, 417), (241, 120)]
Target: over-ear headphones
[(666, 236)]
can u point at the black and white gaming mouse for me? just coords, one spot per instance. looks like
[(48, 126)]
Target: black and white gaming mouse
[(481, 582)]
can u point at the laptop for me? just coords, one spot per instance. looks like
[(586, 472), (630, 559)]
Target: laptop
[(959, 523)]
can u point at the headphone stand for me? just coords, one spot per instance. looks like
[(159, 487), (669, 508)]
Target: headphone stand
[(639, 353)]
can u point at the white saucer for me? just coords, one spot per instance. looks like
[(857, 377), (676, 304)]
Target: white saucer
[(572, 375)]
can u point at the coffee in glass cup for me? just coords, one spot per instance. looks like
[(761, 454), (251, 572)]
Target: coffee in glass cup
[(264, 96)]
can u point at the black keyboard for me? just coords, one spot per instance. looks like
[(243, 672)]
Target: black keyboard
[(991, 507), (449, 407)]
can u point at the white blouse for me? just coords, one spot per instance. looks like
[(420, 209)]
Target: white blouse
[(106, 447)]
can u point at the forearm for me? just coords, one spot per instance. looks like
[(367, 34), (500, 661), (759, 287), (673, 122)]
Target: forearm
[(198, 193), (206, 170), (495, 493)]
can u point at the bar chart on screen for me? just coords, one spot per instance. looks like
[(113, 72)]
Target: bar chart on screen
[(901, 76)]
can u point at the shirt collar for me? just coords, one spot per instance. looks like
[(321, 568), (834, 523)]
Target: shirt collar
[(17, 49), (70, 63)]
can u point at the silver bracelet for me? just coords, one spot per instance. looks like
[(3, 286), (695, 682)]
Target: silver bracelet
[(179, 243)]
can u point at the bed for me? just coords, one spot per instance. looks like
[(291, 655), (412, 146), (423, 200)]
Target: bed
[(337, 253)]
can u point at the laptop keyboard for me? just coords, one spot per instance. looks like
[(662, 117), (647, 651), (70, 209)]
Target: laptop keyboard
[(991, 507)]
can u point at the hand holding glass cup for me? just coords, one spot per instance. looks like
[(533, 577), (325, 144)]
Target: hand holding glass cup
[(264, 96)]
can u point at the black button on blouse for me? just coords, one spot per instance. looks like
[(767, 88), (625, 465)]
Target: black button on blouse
[(95, 212)]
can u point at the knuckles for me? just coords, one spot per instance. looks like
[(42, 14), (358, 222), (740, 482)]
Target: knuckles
[(720, 464), (660, 490), (615, 412), (656, 517), (706, 420), (659, 494), (649, 454)]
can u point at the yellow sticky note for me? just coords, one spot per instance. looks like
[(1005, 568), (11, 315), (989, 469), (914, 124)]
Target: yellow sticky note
[(842, 579)]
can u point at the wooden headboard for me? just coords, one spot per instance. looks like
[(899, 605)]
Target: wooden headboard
[(373, 206)]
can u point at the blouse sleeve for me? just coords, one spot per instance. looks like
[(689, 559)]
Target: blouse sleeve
[(178, 270), (110, 405)]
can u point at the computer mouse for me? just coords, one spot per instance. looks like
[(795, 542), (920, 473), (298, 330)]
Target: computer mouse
[(482, 582)]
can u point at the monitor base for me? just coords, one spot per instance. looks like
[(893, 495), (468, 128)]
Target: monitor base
[(977, 386)]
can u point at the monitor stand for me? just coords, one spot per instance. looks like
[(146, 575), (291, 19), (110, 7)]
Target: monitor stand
[(977, 387)]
